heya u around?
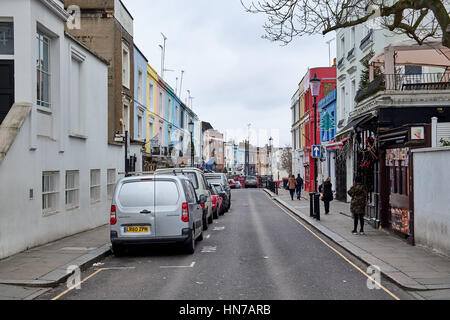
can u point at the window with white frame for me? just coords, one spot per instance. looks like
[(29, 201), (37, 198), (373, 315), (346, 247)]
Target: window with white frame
[(342, 47), (72, 189), (343, 108), (352, 38), (140, 86), (95, 185), (125, 66), (176, 114), (6, 38), (160, 103), (110, 182), (50, 192), (353, 95), (139, 128), (150, 97), (170, 110), (43, 70)]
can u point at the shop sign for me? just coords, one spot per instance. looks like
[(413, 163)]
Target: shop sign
[(395, 157), (417, 133)]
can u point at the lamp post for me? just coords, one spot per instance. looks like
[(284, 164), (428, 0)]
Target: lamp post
[(315, 90), (191, 130)]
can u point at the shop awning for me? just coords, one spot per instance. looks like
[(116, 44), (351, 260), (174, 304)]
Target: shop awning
[(333, 145), (352, 125)]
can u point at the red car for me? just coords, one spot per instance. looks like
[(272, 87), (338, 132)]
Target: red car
[(217, 203), (232, 184)]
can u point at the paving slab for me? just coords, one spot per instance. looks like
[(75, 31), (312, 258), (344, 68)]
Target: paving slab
[(411, 267), (46, 265)]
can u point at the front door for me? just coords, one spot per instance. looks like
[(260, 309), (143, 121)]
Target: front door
[(6, 87), (341, 176)]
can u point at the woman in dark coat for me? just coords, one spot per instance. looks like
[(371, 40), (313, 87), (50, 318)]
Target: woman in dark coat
[(327, 194)]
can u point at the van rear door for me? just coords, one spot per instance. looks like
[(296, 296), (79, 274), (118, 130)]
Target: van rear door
[(136, 208), (168, 206)]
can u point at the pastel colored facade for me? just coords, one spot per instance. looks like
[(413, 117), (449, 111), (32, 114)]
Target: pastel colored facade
[(53, 182), (303, 122)]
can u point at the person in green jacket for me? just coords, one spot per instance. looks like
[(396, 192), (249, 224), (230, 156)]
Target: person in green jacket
[(358, 205)]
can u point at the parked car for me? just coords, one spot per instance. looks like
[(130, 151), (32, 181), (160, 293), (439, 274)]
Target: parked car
[(232, 183), (222, 179), (217, 203), (225, 199), (238, 185), (201, 188), (251, 182), (155, 209)]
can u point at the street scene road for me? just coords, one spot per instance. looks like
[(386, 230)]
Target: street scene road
[(255, 251)]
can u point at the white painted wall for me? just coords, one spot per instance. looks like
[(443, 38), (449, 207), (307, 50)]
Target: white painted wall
[(22, 222), (432, 198)]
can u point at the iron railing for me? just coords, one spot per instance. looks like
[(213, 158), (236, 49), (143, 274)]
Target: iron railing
[(405, 82), (422, 81)]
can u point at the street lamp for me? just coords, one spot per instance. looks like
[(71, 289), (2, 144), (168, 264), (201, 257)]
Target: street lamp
[(315, 90), (191, 130)]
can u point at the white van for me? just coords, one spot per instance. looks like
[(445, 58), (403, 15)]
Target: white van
[(155, 209)]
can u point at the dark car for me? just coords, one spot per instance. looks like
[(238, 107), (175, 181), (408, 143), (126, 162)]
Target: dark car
[(222, 193), (251, 182)]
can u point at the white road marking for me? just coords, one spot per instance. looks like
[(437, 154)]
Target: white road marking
[(209, 249), (219, 228), (169, 267), (208, 236)]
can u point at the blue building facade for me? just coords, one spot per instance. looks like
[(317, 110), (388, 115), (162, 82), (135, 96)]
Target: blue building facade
[(140, 96), (328, 127)]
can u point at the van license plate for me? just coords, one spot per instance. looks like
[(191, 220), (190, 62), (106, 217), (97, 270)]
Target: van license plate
[(135, 229)]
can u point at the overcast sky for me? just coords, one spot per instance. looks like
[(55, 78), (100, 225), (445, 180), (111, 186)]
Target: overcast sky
[(234, 75)]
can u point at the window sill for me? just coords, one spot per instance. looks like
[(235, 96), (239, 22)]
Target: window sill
[(95, 201), (44, 110), (78, 136), (72, 208), (49, 213)]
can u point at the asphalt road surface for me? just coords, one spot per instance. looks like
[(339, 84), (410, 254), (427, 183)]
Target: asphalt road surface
[(255, 251)]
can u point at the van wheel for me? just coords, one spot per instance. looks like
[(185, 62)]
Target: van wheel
[(200, 237), (190, 247)]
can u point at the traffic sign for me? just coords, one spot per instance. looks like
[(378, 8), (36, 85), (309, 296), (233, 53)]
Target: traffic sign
[(316, 151)]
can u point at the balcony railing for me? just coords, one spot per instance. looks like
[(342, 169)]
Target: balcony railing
[(423, 81), (405, 82), (368, 39)]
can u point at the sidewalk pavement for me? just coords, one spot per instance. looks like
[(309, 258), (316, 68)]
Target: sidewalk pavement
[(29, 273), (411, 267)]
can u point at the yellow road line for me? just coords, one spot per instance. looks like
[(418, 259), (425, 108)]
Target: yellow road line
[(70, 289), (336, 251)]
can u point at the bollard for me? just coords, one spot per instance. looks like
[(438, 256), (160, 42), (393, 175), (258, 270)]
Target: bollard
[(317, 206), (311, 204)]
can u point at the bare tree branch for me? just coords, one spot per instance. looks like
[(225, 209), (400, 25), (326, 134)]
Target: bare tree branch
[(288, 19)]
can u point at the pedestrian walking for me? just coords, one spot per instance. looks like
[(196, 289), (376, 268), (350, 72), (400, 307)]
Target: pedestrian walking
[(327, 194), (299, 186), (358, 192), (292, 184)]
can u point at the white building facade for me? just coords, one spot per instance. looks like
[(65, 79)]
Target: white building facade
[(353, 46), (56, 167)]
